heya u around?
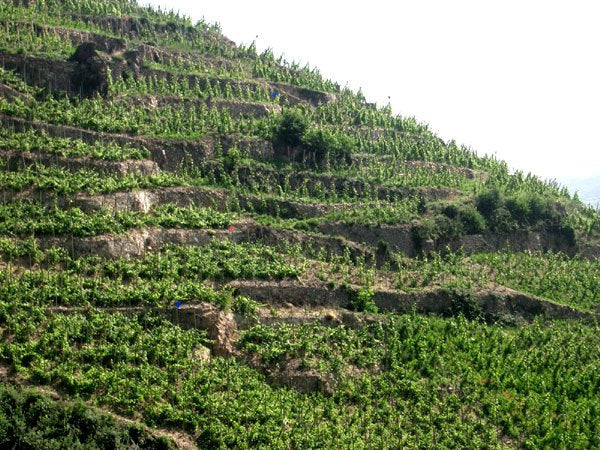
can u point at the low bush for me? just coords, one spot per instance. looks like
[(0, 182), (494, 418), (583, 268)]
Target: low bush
[(32, 420), (507, 213), (316, 147), (326, 148), (488, 202), (363, 301), (292, 127), (472, 221), (458, 219)]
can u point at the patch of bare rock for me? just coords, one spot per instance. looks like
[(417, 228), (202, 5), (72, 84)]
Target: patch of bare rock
[(137, 242), (499, 303)]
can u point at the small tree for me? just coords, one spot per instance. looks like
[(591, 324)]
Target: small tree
[(488, 202), (325, 147), (292, 127)]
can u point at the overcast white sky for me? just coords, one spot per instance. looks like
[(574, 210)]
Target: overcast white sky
[(520, 79)]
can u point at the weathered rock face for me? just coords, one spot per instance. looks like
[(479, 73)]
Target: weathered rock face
[(519, 240), (53, 75), (492, 304), (19, 160), (136, 243), (397, 237), (90, 75), (219, 325), (134, 60), (84, 52), (296, 94), (289, 292), (590, 250)]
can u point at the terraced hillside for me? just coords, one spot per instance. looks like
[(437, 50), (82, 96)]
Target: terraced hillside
[(205, 246)]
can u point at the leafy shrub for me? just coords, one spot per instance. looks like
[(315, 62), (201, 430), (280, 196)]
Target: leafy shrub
[(507, 213), (461, 219), (464, 302), (538, 208), (458, 219), (444, 226), (488, 202), (451, 211), (423, 231), (245, 306), (233, 158), (307, 224), (363, 302), (32, 420), (472, 221), (519, 208), (320, 145), (501, 220), (292, 127), (325, 147)]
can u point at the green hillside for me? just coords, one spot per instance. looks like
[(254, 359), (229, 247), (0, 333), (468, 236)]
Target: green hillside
[(205, 246)]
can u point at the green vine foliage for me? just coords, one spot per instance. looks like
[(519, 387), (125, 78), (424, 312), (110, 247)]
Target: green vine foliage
[(303, 215)]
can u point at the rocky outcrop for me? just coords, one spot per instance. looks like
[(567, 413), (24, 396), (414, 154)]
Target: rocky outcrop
[(136, 243), (184, 196), (301, 94), (291, 292), (291, 375), (90, 74), (517, 241), (589, 250), (497, 304), (397, 237), (292, 315), (54, 75), (219, 325)]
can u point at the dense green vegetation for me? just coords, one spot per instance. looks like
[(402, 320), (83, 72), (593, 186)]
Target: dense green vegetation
[(571, 281), (302, 213), (511, 375), (175, 273), (63, 181), (29, 141), (489, 384), (35, 420), (27, 218), (209, 89)]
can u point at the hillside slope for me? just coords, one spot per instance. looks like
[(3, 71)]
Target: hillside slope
[(220, 248)]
